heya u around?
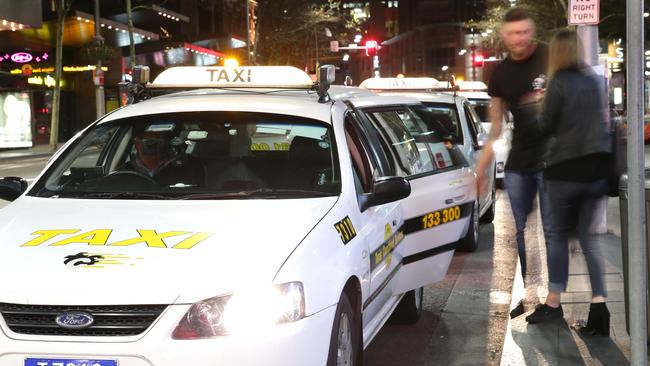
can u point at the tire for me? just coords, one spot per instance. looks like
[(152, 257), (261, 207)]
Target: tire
[(488, 216), (499, 183), (409, 309), (345, 342), (470, 242)]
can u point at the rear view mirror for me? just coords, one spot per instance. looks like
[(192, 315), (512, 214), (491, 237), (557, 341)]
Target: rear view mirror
[(386, 190), (12, 187)]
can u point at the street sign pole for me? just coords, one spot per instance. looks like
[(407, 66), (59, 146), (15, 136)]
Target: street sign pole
[(100, 105), (636, 183)]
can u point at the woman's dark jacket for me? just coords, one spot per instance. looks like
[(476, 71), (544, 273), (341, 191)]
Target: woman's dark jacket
[(573, 116)]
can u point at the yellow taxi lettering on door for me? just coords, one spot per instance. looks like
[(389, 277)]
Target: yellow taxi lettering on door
[(94, 237), (46, 235), (151, 237), (192, 241)]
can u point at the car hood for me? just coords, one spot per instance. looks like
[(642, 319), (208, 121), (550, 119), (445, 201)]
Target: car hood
[(93, 252)]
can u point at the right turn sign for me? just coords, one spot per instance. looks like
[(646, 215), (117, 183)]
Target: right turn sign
[(584, 12)]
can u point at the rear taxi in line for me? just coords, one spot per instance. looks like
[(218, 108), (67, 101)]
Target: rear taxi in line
[(249, 217), (455, 113)]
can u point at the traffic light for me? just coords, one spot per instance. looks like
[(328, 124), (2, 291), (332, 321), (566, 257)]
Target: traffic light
[(477, 60), (371, 48)]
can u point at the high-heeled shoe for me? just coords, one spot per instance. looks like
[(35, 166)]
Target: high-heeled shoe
[(598, 320)]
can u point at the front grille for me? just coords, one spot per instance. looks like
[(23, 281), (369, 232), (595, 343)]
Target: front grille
[(110, 320)]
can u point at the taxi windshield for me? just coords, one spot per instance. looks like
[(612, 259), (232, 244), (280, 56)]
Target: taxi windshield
[(198, 155)]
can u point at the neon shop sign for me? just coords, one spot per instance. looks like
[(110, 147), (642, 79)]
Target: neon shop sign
[(24, 57)]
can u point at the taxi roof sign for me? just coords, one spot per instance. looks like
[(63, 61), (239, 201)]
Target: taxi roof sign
[(241, 76), (422, 83)]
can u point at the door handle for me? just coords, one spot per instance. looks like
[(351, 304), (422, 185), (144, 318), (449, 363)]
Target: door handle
[(449, 201)]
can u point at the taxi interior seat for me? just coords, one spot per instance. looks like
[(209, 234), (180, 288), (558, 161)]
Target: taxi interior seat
[(228, 167), (309, 163)]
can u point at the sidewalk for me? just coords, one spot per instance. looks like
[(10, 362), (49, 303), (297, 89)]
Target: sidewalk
[(36, 151), (557, 343)]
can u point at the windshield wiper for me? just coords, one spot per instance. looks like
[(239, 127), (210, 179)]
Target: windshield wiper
[(262, 192), (125, 195)]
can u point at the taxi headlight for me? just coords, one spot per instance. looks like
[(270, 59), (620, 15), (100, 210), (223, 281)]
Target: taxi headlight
[(245, 311)]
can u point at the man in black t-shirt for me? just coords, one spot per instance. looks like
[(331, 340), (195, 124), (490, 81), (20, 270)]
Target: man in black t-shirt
[(518, 84)]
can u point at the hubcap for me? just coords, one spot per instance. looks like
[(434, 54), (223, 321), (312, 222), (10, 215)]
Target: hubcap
[(344, 349), (476, 218), (494, 198), (418, 297)]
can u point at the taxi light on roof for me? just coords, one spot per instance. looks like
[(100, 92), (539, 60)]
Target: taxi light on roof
[(243, 76), (399, 83), (231, 62)]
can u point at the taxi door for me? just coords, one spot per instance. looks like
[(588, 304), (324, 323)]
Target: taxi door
[(380, 226), (443, 192), (476, 135)]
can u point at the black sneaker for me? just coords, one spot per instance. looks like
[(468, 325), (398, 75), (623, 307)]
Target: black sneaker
[(518, 310), (545, 313)]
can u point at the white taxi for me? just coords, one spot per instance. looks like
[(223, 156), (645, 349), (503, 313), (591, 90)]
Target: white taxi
[(249, 218), (476, 93), (451, 110)]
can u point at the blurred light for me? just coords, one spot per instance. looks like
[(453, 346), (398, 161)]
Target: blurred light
[(445, 68), (371, 48), (484, 34), (231, 62), (488, 31), (462, 52), (86, 20), (103, 25), (645, 15), (400, 76), (346, 57), (78, 18)]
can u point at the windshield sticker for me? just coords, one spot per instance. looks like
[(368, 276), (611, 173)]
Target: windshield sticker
[(151, 238), (160, 127), (346, 230), (98, 260)]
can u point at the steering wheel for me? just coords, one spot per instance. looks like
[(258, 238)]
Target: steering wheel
[(132, 173)]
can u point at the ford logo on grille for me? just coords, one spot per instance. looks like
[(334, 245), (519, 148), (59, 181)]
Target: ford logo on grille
[(75, 320)]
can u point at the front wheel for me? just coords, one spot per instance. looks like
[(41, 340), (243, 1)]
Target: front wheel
[(470, 242), (345, 342)]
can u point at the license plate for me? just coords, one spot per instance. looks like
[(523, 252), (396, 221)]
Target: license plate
[(67, 362)]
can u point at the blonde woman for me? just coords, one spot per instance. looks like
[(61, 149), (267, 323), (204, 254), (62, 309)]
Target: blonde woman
[(575, 175)]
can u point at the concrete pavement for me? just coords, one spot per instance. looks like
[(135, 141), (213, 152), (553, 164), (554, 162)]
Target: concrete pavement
[(38, 150), (556, 343)]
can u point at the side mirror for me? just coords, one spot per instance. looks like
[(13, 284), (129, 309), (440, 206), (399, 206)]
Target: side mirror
[(12, 187), (482, 139), (385, 190)]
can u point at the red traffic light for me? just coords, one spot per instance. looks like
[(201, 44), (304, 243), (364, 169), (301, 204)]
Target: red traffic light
[(371, 48), (478, 60)]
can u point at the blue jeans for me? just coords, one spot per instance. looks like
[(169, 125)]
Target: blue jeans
[(522, 187), (572, 208)]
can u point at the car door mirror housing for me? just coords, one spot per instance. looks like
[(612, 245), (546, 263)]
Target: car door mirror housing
[(12, 187), (385, 190), (482, 139)]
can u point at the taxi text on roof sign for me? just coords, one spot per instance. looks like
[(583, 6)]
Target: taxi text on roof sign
[(399, 83), (243, 76)]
